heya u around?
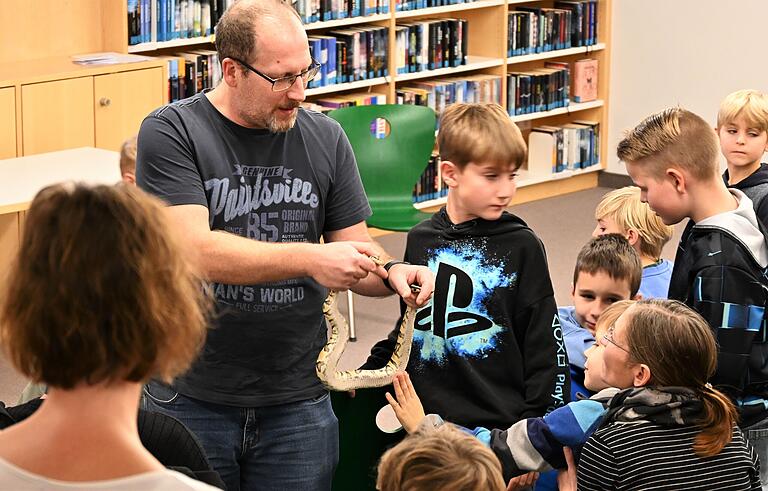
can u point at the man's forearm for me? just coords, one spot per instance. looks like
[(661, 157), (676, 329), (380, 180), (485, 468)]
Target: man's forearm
[(228, 258)]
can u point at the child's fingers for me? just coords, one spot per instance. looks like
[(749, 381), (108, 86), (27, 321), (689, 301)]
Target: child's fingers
[(399, 391), (392, 402), (409, 385)]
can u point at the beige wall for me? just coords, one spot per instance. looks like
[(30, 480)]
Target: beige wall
[(686, 52)]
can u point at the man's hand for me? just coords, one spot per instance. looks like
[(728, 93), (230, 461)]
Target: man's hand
[(406, 403), (340, 265), (402, 276)]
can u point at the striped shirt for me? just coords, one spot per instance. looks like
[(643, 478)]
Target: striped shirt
[(647, 456)]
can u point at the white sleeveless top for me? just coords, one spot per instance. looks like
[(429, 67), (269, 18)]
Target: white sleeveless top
[(16, 478)]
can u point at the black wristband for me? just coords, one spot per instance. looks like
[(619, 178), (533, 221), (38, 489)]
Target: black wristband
[(387, 267)]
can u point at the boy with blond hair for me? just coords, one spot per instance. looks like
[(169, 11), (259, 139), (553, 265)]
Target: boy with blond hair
[(128, 160), (742, 125), (721, 261), (439, 457), (487, 350), (622, 212)]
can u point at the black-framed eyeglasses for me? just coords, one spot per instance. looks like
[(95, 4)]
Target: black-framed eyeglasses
[(608, 337), (284, 83)]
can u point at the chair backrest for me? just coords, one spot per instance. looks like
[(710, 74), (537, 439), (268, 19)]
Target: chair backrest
[(389, 165)]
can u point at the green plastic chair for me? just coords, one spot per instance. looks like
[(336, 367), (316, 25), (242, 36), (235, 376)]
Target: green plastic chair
[(390, 165)]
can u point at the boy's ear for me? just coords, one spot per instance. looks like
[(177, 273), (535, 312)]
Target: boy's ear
[(638, 296), (642, 375), (678, 179), (129, 178), (632, 236), (449, 172)]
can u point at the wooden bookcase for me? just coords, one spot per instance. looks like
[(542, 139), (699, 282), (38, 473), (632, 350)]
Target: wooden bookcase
[(59, 28)]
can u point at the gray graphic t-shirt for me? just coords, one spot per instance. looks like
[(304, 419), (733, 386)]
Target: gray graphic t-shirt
[(287, 187)]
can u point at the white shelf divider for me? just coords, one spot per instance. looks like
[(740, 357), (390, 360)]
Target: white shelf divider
[(572, 108), (473, 63), (346, 86), (555, 54)]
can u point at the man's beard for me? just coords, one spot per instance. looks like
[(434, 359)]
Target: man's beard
[(281, 126)]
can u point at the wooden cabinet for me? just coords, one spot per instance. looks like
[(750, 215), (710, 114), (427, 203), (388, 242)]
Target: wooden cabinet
[(121, 101), (7, 122), (57, 115), (9, 244), (64, 105)]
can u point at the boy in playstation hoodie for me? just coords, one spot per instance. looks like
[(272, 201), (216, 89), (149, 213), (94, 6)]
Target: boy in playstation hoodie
[(487, 350)]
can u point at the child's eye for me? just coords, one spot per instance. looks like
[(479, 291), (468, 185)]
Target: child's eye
[(732, 131), (513, 175), (587, 296), (491, 177)]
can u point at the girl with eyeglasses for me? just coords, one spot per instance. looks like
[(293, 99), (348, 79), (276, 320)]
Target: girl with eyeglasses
[(669, 429)]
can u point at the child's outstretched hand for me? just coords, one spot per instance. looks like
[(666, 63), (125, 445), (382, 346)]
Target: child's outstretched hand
[(406, 403)]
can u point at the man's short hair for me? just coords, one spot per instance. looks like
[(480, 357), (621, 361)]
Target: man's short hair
[(625, 208), (443, 458), (128, 156), (752, 105), (480, 133), (236, 30), (674, 138), (101, 291), (613, 255)]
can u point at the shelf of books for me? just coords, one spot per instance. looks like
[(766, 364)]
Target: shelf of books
[(545, 61), (447, 9), (524, 179)]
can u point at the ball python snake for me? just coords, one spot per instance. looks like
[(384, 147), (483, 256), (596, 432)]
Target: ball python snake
[(328, 359)]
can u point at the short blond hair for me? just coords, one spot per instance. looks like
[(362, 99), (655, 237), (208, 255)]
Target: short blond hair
[(128, 156), (443, 458), (748, 103), (105, 294), (674, 137), (625, 208), (480, 133)]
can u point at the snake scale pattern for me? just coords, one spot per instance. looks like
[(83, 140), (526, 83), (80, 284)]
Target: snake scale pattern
[(345, 380)]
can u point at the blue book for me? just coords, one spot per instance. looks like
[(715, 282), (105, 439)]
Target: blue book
[(147, 20), (161, 6), (330, 63), (316, 46), (133, 31)]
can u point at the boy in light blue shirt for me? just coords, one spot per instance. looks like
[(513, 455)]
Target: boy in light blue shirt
[(607, 270), (622, 212)]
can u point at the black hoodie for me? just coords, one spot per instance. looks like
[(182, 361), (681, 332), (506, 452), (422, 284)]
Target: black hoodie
[(488, 348), (755, 186)]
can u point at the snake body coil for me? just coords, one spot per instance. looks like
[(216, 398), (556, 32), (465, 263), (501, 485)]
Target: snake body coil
[(345, 380)]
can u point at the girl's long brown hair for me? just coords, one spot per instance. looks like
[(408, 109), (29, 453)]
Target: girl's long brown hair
[(678, 346)]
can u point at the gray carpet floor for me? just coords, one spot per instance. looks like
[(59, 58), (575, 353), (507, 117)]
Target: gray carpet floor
[(564, 224)]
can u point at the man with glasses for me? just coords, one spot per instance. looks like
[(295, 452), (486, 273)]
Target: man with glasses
[(254, 183)]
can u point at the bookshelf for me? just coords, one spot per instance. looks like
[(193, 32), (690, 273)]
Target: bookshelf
[(63, 28)]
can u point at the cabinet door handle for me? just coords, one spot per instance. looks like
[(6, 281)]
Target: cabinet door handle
[(105, 101)]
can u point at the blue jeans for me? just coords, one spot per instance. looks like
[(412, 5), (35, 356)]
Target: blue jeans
[(757, 434), (292, 446)]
